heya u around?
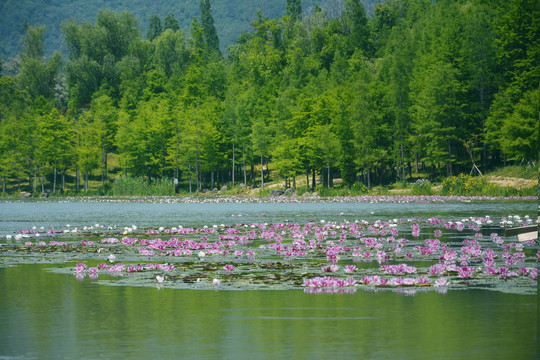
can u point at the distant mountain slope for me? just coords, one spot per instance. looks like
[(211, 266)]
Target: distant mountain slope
[(231, 16)]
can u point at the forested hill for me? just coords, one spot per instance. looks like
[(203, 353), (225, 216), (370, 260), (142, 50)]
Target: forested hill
[(231, 17), (422, 88)]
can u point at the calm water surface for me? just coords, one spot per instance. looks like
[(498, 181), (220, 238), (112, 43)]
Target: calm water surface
[(23, 215), (44, 315)]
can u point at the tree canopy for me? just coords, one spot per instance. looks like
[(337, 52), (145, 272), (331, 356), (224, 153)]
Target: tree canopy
[(323, 91)]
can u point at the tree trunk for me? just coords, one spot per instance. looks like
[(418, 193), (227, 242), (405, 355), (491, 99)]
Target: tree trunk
[(449, 159), (244, 157), (55, 164), (162, 157), (401, 139), (197, 166), (86, 179), (368, 178), (35, 178), (313, 181), (262, 170), (190, 176), (233, 158)]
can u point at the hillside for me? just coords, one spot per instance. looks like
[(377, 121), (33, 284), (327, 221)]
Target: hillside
[(231, 16)]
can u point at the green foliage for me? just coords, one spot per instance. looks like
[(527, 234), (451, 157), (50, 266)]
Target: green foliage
[(209, 30), (463, 185), (154, 28), (421, 187), (138, 186), (322, 93)]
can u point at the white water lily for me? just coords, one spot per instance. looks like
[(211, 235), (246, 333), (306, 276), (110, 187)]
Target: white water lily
[(112, 257), (160, 279)]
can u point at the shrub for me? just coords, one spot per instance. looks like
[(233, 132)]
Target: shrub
[(138, 186), (421, 187), (463, 185)]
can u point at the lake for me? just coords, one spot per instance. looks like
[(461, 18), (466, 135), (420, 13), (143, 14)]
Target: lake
[(50, 315)]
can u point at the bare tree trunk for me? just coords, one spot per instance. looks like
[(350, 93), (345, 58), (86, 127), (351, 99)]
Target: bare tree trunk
[(86, 179), (449, 168), (55, 164), (35, 177), (197, 165), (190, 176), (102, 164), (162, 157), (329, 184), (233, 164), (244, 156), (262, 170)]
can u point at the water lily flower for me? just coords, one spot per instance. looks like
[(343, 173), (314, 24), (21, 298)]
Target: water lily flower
[(112, 257), (228, 267), (216, 282), (80, 267), (440, 282), (160, 279)]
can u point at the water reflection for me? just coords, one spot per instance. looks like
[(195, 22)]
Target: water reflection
[(46, 315)]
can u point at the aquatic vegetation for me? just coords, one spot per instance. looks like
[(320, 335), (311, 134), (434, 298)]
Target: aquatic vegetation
[(393, 255)]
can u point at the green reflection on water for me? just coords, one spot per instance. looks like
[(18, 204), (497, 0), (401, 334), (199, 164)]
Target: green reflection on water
[(47, 315)]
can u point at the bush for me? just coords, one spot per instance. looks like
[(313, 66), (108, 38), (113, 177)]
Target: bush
[(421, 187), (463, 185), (138, 186), (468, 185)]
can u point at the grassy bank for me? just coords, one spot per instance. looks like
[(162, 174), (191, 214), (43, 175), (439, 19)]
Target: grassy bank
[(507, 181)]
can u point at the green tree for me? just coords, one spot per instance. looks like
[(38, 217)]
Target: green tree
[(294, 9), (209, 30), (170, 22), (154, 28), (37, 76), (105, 118), (54, 144)]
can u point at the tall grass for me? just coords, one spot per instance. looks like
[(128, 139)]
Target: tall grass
[(468, 185), (139, 186)]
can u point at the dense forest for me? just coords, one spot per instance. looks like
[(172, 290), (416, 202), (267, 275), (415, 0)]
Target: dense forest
[(438, 87), (232, 17)]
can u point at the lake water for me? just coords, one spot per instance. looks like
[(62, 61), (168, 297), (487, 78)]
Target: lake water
[(46, 315)]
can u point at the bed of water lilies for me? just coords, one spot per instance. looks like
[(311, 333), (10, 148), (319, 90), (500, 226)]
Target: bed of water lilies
[(405, 255), (305, 198)]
